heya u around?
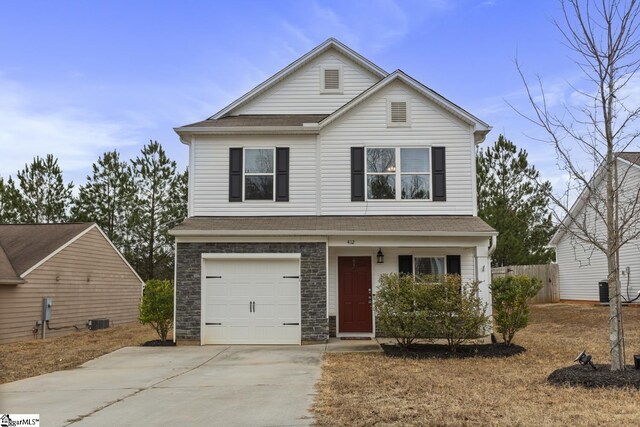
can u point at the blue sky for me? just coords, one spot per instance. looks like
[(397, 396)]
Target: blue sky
[(78, 78)]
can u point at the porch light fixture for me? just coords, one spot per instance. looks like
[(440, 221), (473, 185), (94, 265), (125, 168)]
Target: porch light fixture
[(380, 256)]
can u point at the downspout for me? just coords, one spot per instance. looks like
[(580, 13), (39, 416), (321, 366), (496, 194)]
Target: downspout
[(493, 245)]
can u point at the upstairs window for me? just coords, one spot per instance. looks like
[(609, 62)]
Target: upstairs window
[(258, 173), (398, 113), (331, 79), (398, 173)]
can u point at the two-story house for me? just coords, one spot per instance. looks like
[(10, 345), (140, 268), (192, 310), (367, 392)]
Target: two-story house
[(305, 190)]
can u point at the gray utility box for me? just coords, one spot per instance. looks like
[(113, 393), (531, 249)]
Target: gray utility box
[(47, 303)]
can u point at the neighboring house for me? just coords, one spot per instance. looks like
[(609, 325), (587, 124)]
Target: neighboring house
[(305, 190), (74, 264), (580, 265)]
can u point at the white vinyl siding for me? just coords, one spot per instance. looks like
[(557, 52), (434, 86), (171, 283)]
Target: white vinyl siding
[(301, 92), (366, 126), (210, 170), (580, 270), (390, 264), (581, 266), (87, 280)]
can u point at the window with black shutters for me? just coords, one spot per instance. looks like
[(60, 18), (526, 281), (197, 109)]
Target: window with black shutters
[(259, 173)]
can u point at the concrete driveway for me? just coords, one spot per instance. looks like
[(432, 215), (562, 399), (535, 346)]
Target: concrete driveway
[(211, 385)]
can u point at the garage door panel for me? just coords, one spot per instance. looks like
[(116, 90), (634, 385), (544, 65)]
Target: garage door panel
[(240, 281), (238, 289), (216, 290), (265, 290), (287, 289)]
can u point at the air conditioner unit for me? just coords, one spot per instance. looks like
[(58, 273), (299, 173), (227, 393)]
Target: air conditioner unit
[(96, 324)]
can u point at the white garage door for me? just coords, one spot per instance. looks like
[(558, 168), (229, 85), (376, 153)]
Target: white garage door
[(251, 301)]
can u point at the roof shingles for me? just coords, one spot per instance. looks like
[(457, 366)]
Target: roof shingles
[(252, 120), (24, 245), (327, 224)]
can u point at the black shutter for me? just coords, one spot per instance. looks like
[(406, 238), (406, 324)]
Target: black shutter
[(357, 174), (282, 174), (405, 264), (453, 265), (438, 173), (235, 174)]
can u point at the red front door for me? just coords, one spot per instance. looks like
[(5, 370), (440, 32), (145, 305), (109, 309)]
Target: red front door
[(354, 294)]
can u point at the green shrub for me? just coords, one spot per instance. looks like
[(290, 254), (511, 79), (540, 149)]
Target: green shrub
[(511, 296), (401, 308), (458, 314), (428, 307), (156, 307)]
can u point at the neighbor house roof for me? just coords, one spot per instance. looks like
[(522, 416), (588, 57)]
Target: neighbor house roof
[(631, 157), (23, 247), (27, 244), (331, 225)]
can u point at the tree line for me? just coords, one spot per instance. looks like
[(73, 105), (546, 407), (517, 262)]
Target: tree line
[(135, 203)]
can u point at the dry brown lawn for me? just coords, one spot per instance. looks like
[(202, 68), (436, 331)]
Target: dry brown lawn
[(30, 358), (363, 389)]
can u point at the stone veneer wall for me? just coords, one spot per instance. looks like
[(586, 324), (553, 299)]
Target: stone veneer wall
[(313, 292)]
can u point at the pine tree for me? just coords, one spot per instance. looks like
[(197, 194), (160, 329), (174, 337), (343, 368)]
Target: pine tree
[(511, 199), (160, 203), (45, 196), (10, 202), (107, 198)]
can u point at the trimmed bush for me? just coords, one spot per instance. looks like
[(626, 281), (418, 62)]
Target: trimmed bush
[(511, 295), (409, 308), (401, 308), (458, 314), (156, 307)]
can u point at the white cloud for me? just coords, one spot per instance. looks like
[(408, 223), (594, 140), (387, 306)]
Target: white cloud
[(28, 128)]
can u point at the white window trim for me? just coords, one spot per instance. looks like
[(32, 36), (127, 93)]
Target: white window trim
[(245, 174), (406, 124), (398, 174), (444, 257), (340, 79)]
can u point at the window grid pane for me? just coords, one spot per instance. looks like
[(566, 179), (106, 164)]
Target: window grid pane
[(258, 160), (381, 160), (414, 160), (415, 186), (431, 266), (258, 187), (381, 186)]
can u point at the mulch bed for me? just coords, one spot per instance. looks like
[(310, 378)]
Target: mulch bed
[(440, 351), (585, 376), (159, 343)]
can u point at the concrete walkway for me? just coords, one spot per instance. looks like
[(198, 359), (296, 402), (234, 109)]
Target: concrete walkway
[(210, 385)]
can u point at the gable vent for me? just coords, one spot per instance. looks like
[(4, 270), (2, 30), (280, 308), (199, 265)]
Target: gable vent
[(398, 112), (331, 79)]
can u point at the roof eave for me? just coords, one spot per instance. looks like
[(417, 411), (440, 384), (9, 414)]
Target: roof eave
[(213, 233), (12, 281), (186, 132)]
